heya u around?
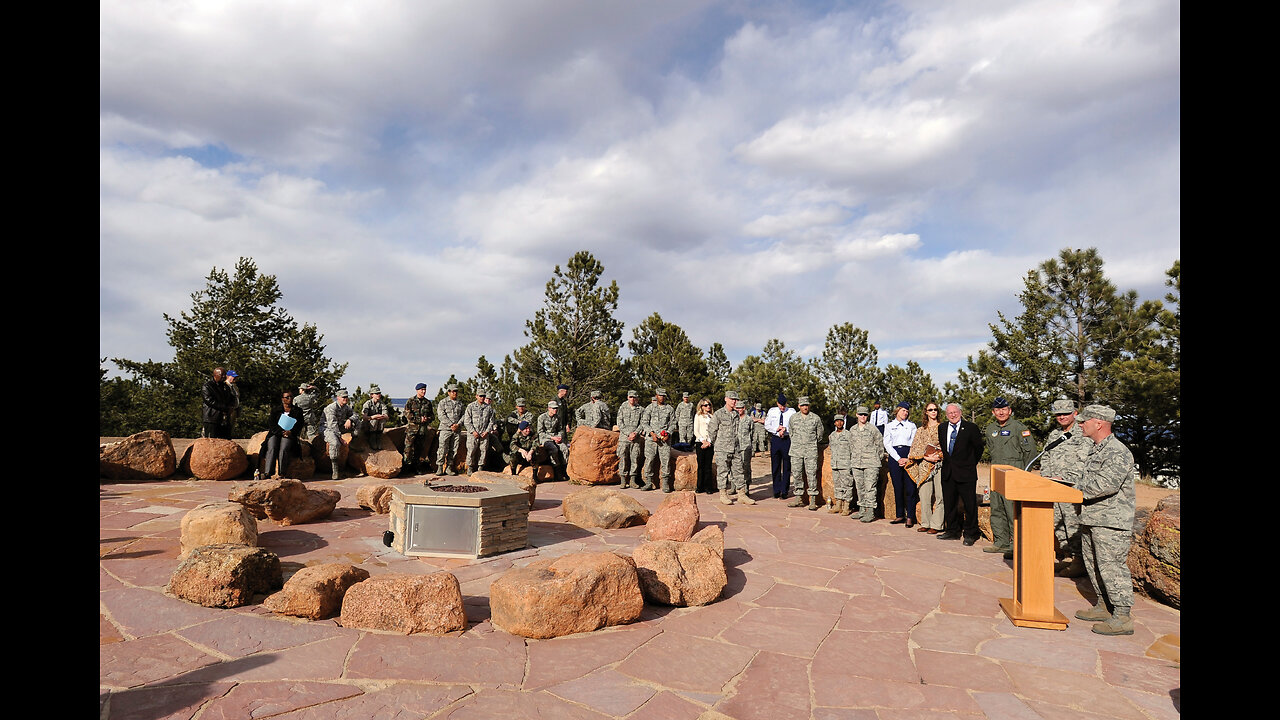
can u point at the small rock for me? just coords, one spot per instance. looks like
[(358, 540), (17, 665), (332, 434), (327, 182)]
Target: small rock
[(1155, 557), (675, 518), (147, 455), (679, 573), (315, 592), (383, 463), (217, 523), (284, 500), (217, 459), (225, 575), (406, 604), (711, 536), (684, 475), (375, 496), (603, 508), (573, 593)]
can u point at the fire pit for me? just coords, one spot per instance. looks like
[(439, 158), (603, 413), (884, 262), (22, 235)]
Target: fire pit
[(459, 520)]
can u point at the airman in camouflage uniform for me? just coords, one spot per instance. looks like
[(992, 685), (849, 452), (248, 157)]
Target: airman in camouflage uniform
[(525, 449), (722, 433), (1106, 522), (1066, 461), (806, 432), (373, 417), (745, 427), (630, 440), (684, 420), (1011, 444), (337, 419), (658, 421), (841, 443), (308, 401), (865, 457), (550, 431), (450, 412), (594, 413), (760, 438), (519, 415), (478, 420), (418, 414)]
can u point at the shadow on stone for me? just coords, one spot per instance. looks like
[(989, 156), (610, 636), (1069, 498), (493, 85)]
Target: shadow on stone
[(290, 541), (736, 580), (162, 699)]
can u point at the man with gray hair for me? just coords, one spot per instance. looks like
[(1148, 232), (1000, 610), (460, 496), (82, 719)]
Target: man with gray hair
[(450, 412), (961, 450), (1106, 522), (722, 434)]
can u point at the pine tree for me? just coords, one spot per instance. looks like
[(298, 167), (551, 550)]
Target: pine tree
[(847, 367), (663, 357)]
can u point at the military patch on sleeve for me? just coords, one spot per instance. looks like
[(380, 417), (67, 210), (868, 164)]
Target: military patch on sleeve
[(1026, 433)]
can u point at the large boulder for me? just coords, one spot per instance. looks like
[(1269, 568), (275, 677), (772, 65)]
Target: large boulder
[(315, 592), (225, 575), (675, 518), (684, 475), (545, 473), (711, 536), (375, 496), (284, 500), (147, 455), (384, 464), (570, 594), (1155, 557), (217, 459), (217, 523), (679, 573), (403, 603), (603, 508), (524, 482), (593, 456)]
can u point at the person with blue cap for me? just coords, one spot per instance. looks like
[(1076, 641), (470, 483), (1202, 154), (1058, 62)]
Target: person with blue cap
[(525, 450), (418, 413)]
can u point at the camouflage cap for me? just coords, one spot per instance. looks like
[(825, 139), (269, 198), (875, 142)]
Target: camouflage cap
[(520, 402), (552, 405), (1062, 406), (862, 410), (661, 391), (632, 393), (343, 393), (759, 406), (731, 395), (595, 393), (373, 388), (306, 386), (451, 388), (481, 392), (685, 394), (838, 417), (1098, 412), (804, 400)]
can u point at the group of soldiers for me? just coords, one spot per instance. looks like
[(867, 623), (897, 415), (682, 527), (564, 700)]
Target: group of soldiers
[(1093, 538)]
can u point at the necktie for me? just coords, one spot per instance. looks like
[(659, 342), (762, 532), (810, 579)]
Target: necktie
[(951, 444)]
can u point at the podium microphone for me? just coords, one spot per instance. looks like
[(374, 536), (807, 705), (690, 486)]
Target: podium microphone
[(1065, 437)]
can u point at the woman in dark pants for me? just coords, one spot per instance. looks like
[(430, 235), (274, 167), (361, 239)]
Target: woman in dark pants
[(701, 427), (281, 443), (898, 436)]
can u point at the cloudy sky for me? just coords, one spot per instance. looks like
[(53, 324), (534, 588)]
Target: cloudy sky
[(411, 172)]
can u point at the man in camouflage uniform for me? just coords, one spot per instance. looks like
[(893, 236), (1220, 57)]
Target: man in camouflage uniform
[(373, 417), (806, 432), (1106, 522), (525, 449), (745, 427), (337, 420), (684, 420), (594, 413), (418, 414), (864, 463), (1011, 444), (519, 415), (1065, 462), (630, 438), (308, 401), (722, 434), (450, 413), (841, 443), (478, 420), (759, 438), (658, 421), (551, 436)]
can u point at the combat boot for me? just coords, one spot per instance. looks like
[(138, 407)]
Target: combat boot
[(868, 515), (846, 508), (648, 485), (813, 502), (626, 483), (1097, 612), (724, 497), (667, 485), (336, 474), (744, 498), (796, 501), (834, 507), (1119, 624)]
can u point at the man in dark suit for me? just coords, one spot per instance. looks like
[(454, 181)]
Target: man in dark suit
[(961, 449)]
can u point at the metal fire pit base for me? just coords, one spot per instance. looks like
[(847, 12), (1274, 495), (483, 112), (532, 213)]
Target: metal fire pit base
[(430, 523)]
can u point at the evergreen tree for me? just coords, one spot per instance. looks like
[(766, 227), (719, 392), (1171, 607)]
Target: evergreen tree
[(663, 357), (234, 322), (847, 367), (574, 338), (912, 384), (718, 368), (779, 370)]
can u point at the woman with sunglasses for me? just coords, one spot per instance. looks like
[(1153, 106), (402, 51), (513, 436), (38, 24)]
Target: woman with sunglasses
[(925, 468), (705, 455), (281, 443)]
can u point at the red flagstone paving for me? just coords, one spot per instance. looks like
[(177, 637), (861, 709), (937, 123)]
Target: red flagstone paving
[(823, 617)]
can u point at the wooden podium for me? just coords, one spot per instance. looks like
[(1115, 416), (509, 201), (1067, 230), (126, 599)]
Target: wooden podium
[(1033, 498)]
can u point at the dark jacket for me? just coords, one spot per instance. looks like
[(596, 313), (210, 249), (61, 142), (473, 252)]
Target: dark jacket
[(961, 463), (216, 400), (274, 429)]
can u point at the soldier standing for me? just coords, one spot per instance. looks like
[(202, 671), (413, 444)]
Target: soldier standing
[(1065, 462), (722, 434), (684, 420), (594, 413), (746, 427), (630, 439), (760, 438), (519, 415), (551, 436), (658, 421), (337, 419), (864, 463), (373, 417), (418, 413), (478, 420), (806, 433), (450, 413), (841, 443), (309, 403), (1106, 522), (1011, 444)]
